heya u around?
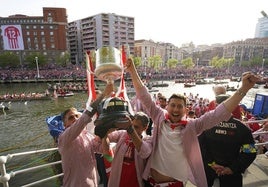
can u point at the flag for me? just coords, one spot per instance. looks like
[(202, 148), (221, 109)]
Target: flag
[(122, 92), (90, 79), (12, 37)]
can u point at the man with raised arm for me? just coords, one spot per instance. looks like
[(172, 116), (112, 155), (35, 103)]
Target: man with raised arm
[(77, 146), (176, 156)]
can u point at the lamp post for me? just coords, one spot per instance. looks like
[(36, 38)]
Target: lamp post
[(197, 61), (37, 67), (262, 63), (228, 65)]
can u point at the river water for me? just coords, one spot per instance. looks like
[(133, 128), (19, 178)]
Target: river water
[(23, 127)]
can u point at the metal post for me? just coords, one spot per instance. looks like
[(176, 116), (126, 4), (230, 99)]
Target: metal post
[(145, 66), (262, 63), (37, 67), (228, 66)]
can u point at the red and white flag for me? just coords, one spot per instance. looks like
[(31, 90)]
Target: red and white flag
[(122, 91), (12, 37), (90, 79)]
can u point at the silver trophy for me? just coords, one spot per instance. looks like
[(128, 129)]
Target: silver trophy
[(108, 64)]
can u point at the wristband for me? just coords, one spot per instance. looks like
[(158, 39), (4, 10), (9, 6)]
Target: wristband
[(89, 108), (241, 93), (130, 129)]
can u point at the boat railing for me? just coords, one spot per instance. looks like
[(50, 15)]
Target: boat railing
[(259, 132), (6, 176)]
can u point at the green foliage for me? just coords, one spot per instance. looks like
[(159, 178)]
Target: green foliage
[(221, 62), (187, 63), (172, 63), (137, 61), (9, 59), (246, 63), (30, 60), (256, 61), (155, 62), (64, 59)]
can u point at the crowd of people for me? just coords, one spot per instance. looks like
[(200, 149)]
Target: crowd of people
[(78, 72), (190, 139)]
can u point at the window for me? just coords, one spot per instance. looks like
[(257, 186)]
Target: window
[(49, 19)]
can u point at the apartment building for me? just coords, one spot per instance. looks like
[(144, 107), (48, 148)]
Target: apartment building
[(261, 30), (246, 50), (105, 29)]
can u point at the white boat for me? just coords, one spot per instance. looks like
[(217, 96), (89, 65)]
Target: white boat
[(65, 94)]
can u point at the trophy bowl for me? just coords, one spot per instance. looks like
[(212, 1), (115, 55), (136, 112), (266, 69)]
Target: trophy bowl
[(108, 64)]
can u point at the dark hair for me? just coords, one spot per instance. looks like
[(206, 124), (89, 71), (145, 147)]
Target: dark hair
[(143, 118), (66, 112), (162, 97), (178, 96)]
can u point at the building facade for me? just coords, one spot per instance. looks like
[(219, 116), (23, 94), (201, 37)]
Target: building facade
[(246, 50), (91, 33), (43, 34), (261, 30)]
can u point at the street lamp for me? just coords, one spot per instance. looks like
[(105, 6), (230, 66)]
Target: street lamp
[(197, 60), (37, 67), (145, 66), (229, 65)]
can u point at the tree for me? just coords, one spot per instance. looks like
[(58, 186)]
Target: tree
[(63, 59), (30, 60), (216, 62), (172, 63), (155, 62), (137, 61), (188, 62), (256, 61), (9, 59)]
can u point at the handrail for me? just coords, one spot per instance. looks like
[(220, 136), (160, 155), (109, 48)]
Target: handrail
[(5, 176), (258, 133), (255, 121)]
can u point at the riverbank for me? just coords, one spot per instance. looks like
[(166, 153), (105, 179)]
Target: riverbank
[(41, 80)]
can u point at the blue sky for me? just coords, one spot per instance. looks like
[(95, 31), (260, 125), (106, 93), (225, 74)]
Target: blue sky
[(174, 21)]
